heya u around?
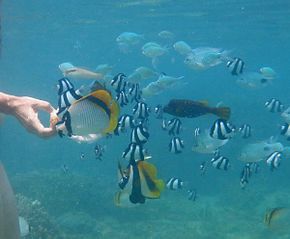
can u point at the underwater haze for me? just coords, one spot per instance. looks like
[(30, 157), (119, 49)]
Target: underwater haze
[(63, 191)]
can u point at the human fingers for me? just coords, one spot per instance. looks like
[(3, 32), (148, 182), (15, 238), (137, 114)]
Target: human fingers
[(43, 105), (37, 128)]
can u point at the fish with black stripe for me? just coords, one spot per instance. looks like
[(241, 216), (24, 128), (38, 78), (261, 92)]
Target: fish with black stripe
[(176, 145), (273, 105), (64, 85), (191, 195), (174, 126), (236, 66), (222, 129), (141, 111), (246, 131), (124, 122), (158, 110), (203, 167), (139, 134), (122, 98), (285, 130), (135, 152), (274, 160), (220, 162), (119, 82), (135, 93), (99, 151), (174, 183), (138, 182), (94, 114), (67, 95), (245, 175)]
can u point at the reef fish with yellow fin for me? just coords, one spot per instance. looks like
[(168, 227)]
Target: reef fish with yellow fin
[(90, 117), (138, 182), (192, 109)]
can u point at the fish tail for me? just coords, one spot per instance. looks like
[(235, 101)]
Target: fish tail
[(222, 112)]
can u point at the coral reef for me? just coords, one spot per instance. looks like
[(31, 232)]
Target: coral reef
[(41, 224)]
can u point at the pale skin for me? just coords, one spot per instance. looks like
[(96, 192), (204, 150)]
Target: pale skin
[(26, 109)]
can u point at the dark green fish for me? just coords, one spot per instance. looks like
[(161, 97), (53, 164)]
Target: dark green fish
[(192, 109)]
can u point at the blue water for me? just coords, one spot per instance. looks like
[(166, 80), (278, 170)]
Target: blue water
[(39, 35)]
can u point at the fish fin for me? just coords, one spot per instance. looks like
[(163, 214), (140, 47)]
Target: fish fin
[(151, 187), (121, 199), (115, 110), (223, 112)]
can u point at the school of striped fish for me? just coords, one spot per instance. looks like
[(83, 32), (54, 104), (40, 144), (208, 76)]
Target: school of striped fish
[(114, 104)]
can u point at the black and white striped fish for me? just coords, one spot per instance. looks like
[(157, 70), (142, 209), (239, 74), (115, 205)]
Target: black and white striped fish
[(139, 134), (64, 85), (119, 82), (285, 130), (67, 95), (141, 111), (273, 105), (222, 129), (203, 167), (236, 66), (220, 162), (122, 98), (255, 168), (174, 183), (246, 131), (245, 175), (274, 160), (134, 152), (174, 126), (135, 93), (191, 195), (164, 124), (176, 145), (197, 132), (99, 150), (127, 121), (158, 111)]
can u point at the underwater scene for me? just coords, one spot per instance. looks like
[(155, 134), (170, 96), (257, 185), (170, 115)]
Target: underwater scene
[(173, 118)]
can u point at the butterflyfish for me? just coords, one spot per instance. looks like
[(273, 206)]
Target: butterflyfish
[(94, 114), (138, 184)]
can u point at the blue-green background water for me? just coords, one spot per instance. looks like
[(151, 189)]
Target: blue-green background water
[(39, 35)]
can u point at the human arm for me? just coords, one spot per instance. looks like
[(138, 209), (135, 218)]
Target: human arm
[(25, 109)]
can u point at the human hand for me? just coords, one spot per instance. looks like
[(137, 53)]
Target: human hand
[(26, 109)]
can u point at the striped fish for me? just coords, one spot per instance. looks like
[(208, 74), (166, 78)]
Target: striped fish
[(236, 66)]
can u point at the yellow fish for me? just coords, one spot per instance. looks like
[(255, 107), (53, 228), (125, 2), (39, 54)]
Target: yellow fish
[(94, 114), (141, 183)]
